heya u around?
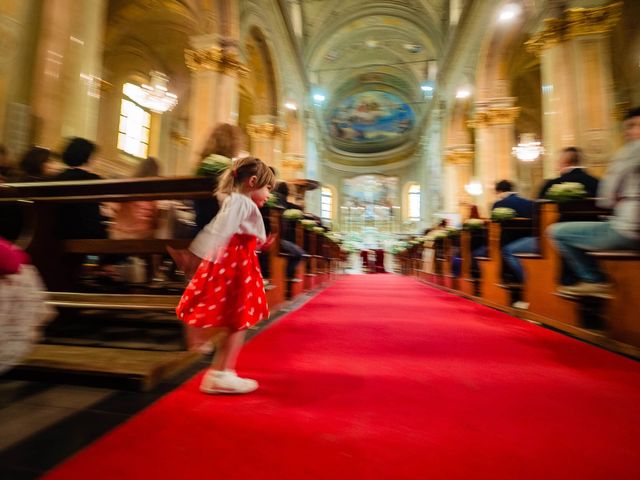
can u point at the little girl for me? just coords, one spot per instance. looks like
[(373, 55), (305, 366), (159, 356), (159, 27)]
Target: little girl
[(227, 289)]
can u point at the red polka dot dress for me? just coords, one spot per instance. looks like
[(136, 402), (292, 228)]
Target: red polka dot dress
[(227, 289)]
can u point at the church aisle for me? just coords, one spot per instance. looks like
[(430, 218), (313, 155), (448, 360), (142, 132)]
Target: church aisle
[(381, 377)]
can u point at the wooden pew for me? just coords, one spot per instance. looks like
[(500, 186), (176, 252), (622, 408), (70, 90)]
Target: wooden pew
[(621, 313), (58, 259), (493, 289), (542, 271), (469, 286)]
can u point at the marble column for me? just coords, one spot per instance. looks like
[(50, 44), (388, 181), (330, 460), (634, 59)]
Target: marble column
[(577, 84), (215, 69), (495, 138), (267, 140), (66, 97), (459, 164)]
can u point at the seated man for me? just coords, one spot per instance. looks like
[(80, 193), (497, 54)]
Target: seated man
[(569, 165), (79, 220), (620, 190), (508, 198), (287, 240)]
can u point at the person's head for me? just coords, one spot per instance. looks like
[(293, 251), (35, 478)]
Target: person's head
[(251, 176), (147, 168), (504, 186), (473, 211), (78, 152), (282, 188), (225, 140), (34, 162), (631, 125), (569, 157)]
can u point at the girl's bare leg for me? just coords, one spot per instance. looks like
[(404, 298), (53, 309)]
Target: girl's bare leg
[(228, 350)]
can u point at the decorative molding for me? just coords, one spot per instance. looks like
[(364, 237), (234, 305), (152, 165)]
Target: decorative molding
[(620, 110), (494, 116), (215, 59), (551, 34), (456, 157), (178, 138), (266, 130), (592, 21), (293, 161), (576, 22)]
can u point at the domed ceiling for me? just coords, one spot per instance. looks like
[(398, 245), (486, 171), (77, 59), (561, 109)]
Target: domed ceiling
[(368, 62)]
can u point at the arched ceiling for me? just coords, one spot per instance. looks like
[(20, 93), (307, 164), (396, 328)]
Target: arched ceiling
[(369, 60)]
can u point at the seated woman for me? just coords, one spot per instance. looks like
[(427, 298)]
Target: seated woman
[(138, 219)]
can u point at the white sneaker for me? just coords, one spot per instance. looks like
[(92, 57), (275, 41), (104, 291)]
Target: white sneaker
[(520, 305), (217, 382)]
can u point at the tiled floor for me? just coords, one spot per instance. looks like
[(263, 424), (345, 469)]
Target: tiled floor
[(42, 423)]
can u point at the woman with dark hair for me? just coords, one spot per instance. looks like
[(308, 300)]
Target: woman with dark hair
[(221, 147), (34, 165)]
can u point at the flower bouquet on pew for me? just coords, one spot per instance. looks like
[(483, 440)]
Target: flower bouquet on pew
[(292, 214), (308, 223), (473, 224), (501, 214), (566, 191)]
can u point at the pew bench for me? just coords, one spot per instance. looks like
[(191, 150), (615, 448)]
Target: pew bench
[(621, 311)]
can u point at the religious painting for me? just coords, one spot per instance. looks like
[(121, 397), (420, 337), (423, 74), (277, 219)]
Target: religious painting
[(374, 195), (370, 121)]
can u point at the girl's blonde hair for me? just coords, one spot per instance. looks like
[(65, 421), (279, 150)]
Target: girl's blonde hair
[(241, 170), (225, 140)]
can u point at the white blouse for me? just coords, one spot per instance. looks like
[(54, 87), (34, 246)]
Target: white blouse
[(239, 214)]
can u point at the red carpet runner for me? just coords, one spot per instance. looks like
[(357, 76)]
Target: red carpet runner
[(380, 377)]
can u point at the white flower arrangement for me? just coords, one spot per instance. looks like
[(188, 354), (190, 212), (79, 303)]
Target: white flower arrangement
[(566, 191), (292, 214), (436, 235), (318, 229), (473, 224), (452, 231), (501, 213)]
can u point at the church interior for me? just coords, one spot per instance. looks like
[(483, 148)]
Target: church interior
[(447, 239)]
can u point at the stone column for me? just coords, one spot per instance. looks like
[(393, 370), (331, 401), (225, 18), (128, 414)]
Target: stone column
[(577, 83), (495, 138), (66, 95), (215, 70), (459, 161), (267, 140)]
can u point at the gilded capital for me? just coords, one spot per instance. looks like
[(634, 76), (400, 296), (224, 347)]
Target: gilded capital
[(593, 21), (265, 130), (494, 116), (460, 158), (551, 34), (215, 59)]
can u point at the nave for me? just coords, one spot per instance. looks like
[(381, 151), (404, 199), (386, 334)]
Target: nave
[(382, 377)]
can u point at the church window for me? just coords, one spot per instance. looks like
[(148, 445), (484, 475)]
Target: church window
[(413, 201), (133, 130), (327, 203)]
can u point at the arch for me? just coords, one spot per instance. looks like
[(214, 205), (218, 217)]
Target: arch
[(412, 200), (261, 83)]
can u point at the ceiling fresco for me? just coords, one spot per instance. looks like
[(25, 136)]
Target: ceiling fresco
[(371, 121)]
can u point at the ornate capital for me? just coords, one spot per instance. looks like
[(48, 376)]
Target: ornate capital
[(494, 116), (460, 157), (620, 110), (215, 59), (293, 162), (576, 22), (593, 21), (551, 34), (265, 130)]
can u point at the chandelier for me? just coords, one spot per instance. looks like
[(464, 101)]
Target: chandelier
[(155, 97), (528, 149)]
